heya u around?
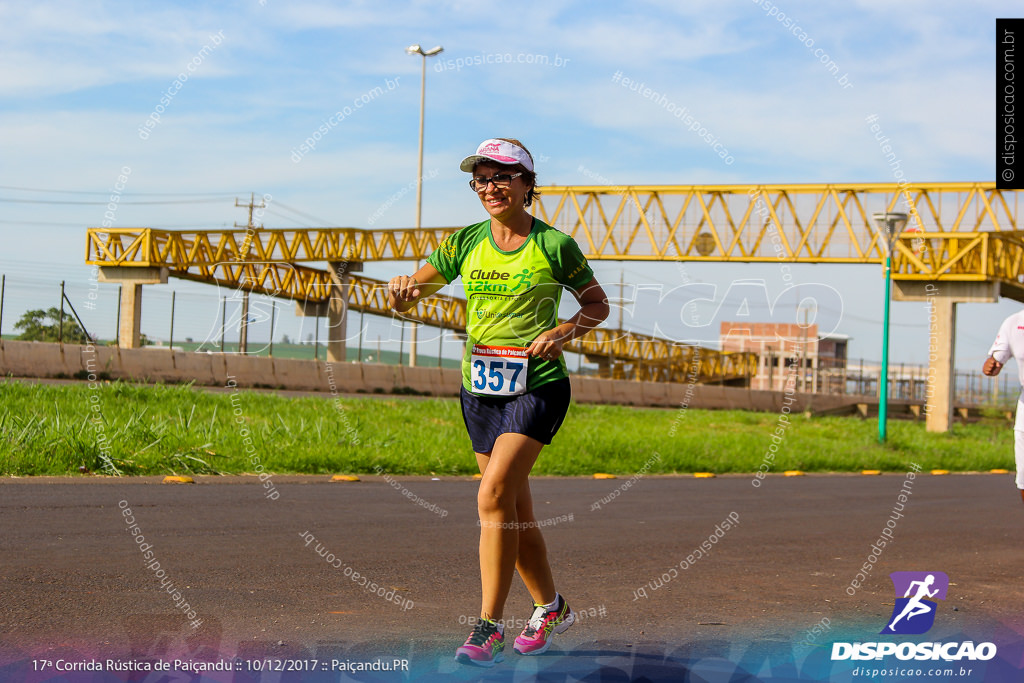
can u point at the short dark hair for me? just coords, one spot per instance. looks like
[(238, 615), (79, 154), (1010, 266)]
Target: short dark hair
[(528, 176)]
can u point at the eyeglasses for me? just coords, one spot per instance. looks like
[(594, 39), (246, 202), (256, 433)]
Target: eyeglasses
[(479, 183)]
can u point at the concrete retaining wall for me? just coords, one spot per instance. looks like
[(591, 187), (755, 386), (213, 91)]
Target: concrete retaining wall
[(149, 364)]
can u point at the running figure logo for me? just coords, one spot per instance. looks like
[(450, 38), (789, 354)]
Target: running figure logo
[(914, 613), (525, 279)]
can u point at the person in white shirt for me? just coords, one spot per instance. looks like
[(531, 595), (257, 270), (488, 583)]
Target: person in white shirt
[(1010, 343)]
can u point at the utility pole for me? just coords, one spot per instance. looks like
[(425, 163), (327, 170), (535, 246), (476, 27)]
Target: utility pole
[(250, 227), (243, 254)]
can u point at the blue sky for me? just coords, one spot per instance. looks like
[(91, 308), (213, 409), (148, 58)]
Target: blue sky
[(81, 78)]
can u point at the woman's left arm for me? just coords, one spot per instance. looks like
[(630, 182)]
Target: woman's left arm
[(593, 310)]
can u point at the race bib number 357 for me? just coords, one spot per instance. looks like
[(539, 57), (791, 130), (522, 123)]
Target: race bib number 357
[(498, 370)]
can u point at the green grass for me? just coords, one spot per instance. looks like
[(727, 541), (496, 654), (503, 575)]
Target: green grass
[(53, 430)]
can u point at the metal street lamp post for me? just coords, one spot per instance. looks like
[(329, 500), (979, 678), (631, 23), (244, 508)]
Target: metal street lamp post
[(417, 50), (890, 225)]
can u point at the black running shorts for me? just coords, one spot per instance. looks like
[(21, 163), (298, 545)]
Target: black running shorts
[(537, 414)]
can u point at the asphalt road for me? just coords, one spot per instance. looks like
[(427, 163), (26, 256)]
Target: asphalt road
[(75, 585)]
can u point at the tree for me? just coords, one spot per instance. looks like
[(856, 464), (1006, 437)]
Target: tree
[(40, 325)]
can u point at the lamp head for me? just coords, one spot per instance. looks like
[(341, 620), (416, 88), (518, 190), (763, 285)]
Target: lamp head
[(418, 50), (891, 224)]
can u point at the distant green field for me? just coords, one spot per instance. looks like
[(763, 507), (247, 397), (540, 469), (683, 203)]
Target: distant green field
[(307, 351), (50, 429)]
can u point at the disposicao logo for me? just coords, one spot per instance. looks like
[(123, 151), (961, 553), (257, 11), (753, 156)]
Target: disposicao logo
[(914, 614)]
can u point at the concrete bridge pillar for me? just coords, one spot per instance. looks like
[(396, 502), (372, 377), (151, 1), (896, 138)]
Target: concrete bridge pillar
[(942, 298), (131, 279), (335, 308)]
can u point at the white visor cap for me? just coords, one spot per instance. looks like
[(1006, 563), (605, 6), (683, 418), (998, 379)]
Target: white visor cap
[(498, 151)]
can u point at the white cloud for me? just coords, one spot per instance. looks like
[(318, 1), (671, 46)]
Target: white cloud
[(64, 47)]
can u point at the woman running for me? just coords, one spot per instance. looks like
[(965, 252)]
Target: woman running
[(515, 387)]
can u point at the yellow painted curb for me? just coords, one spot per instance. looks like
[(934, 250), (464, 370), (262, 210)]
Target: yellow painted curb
[(940, 471), (344, 477), (999, 471), (704, 475), (871, 471), (793, 473), (179, 480), (602, 475)]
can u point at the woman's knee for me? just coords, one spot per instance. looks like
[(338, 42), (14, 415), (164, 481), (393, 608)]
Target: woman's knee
[(493, 499)]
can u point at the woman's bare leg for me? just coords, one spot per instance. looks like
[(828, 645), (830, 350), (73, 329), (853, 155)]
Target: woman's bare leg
[(532, 561), (505, 471)]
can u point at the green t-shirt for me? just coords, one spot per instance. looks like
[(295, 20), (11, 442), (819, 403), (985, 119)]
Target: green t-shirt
[(512, 296)]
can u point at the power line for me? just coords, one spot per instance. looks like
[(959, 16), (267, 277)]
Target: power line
[(44, 201), (134, 194), (82, 225), (303, 223), (321, 221)]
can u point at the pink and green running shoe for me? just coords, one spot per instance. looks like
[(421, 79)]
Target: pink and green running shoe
[(484, 646), (536, 637)]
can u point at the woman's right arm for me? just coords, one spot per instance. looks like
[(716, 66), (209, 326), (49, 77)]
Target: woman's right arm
[(405, 291)]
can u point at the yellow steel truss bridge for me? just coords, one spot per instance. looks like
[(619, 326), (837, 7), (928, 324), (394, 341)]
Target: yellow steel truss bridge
[(961, 232)]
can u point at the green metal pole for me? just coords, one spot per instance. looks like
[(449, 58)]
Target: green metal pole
[(61, 337), (360, 356), (170, 344), (273, 314), (883, 380)]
